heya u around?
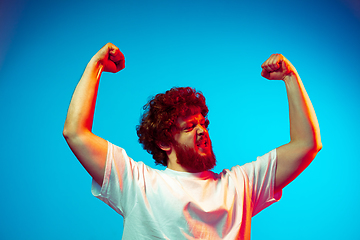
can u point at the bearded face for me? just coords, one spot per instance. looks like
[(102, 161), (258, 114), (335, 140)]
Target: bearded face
[(188, 158), (191, 146)]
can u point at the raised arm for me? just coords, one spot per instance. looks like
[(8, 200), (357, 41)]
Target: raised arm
[(305, 141), (88, 148)]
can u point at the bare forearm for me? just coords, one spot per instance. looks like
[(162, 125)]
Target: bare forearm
[(304, 127), (81, 110)]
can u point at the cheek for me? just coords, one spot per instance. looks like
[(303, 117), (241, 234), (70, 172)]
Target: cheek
[(184, 140), (190, 141)]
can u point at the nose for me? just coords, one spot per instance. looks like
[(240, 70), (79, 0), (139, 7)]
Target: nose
[(200, 130)]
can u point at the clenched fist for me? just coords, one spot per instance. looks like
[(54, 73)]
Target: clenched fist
[(110, 57), (277, 67)]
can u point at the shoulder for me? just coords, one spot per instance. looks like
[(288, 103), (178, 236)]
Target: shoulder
[(261, 162), (259, 166), (118, 156)]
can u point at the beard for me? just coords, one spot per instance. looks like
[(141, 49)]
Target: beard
[(188, 158)]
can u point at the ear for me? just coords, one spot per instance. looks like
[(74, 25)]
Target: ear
[(164, 147)]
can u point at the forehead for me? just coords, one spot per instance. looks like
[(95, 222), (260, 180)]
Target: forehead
[(197, 117)]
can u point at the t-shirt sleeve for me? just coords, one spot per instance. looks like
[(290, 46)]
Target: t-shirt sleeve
[(116, 190), (261, 175)]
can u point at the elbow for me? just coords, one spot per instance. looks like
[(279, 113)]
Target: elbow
[(72, 134), (65, 133), (317, 143), (319, 146), (315, 147), (71, 129), (310, 148), (69, 132), (69, 136)]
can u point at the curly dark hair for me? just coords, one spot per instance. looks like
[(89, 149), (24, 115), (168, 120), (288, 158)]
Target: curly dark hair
[(160, 116)]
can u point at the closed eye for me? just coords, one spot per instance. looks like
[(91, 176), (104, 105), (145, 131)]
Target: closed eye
[(189, 128)]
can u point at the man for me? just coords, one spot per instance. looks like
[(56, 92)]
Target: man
[(186, 201)]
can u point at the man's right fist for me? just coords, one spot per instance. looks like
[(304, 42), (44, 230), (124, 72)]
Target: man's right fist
[(110, 58)]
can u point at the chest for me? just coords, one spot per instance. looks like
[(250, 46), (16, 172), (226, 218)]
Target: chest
[(210, 201)]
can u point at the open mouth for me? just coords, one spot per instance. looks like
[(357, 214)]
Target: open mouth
[(202, 143)]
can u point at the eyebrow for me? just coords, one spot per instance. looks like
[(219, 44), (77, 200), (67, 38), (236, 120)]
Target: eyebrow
[(194, 120), (186, 123)]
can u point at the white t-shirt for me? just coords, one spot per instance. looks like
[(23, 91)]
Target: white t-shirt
[(167, 204)]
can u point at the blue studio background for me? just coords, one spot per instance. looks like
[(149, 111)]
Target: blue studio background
[(215, 46)]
